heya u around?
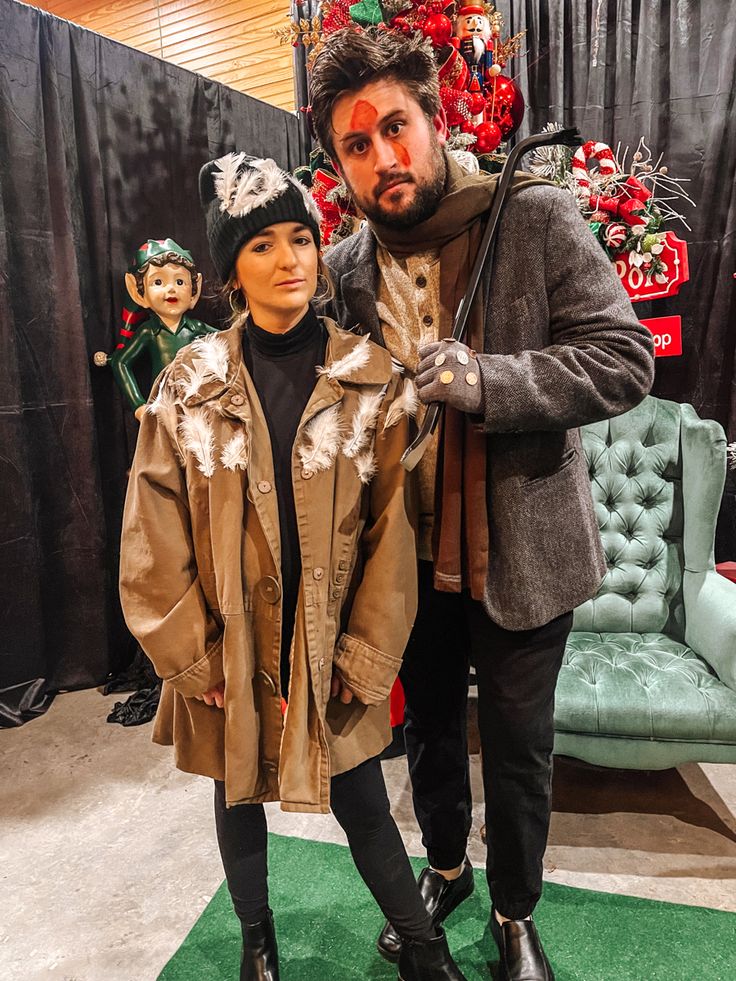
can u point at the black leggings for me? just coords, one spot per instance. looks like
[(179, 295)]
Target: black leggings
[(360, 804)]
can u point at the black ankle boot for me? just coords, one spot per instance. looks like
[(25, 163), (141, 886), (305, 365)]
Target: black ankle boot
[(521, 952), (428, 960), (440, 896), (259, 960)]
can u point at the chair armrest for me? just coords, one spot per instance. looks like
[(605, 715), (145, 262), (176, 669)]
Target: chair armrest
[(703, 478), (710, 621)]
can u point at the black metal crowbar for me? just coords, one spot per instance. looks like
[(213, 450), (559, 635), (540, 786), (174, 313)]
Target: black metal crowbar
[(566, 137)]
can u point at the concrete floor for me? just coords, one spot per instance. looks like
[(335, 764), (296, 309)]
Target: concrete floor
[(108, 854)]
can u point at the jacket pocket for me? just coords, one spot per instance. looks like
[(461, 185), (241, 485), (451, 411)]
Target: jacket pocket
[(368, 672), (567, 460)]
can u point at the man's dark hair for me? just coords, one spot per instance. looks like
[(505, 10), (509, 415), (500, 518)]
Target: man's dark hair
[(163, 260), (352, 58)]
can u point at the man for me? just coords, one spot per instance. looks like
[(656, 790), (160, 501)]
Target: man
[(509, 544)]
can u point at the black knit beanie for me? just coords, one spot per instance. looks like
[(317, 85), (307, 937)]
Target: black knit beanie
[(242, 195)]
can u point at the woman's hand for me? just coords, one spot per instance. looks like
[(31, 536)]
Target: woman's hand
[(340, 689), (215, 696)]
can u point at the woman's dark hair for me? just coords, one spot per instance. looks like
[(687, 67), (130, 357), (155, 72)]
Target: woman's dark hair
[(352, 58)]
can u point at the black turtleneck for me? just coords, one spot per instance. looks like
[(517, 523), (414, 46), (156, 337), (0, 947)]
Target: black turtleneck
[(282, 367)]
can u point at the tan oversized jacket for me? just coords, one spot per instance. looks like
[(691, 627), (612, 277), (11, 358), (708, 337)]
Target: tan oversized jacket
[(200, 567)]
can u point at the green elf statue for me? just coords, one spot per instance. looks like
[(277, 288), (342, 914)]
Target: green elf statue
[(164, 280)]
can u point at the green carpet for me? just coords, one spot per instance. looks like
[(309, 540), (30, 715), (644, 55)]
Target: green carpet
[(327, 924)]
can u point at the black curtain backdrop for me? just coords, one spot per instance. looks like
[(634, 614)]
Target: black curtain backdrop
[(99, 150), (100, 147), (664, 70)]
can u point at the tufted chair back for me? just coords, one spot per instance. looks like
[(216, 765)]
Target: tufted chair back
[(635, 465)]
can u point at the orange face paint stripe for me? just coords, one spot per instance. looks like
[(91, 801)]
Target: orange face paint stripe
[(363, 116), (402, 154)]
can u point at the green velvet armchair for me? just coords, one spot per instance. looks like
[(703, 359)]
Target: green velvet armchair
[(649, 676)]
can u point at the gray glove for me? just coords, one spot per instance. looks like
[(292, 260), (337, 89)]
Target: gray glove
[(448, 372)]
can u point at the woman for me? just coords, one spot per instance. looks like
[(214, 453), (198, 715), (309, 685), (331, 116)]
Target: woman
[(268, 562)]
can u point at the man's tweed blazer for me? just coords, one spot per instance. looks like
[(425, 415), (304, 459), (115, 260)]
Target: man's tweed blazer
[(562, 348)]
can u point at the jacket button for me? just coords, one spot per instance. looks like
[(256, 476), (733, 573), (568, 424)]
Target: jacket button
[(318, 573), (268, 681), (269, 589), (236, 400), (306, 474), (427, 320), (339, 577), (421, 281), (343, 564), (264, 486), (336, 594)]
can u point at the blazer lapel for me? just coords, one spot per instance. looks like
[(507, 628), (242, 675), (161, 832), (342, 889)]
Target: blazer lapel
[(357, 301)]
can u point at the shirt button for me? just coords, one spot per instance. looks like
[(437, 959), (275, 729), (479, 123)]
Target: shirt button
[(318, 573), (427, 320), (421, 281), (236, 400), (264, 486)]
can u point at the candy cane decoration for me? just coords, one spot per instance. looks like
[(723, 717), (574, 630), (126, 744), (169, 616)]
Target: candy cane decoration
[(615, 236), (584, 154)]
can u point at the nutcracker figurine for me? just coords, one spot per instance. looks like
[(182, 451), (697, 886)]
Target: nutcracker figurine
[(473, 39)]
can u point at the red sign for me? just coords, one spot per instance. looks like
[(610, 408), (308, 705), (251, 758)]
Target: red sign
[(667, 335), (643, 286)]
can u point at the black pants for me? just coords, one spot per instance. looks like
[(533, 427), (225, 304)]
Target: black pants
[(517, 674), (360, 804)]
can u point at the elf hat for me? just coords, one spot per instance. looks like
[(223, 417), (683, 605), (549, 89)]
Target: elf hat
[(155, 247), (242, 195)]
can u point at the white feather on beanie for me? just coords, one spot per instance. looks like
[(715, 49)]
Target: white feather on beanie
[(242, 195)]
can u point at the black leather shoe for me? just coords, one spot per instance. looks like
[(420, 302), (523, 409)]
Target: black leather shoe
[(521, 951), (428, 960), (440, 898), (259, 960)]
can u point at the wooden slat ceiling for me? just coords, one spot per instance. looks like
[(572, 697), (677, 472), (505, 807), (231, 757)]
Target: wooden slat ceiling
[(231, 41)]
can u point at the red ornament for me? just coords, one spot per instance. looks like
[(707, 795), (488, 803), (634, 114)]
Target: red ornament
[(505, 105), (456, 106), (438, 28), (488, 137), (477, 102)]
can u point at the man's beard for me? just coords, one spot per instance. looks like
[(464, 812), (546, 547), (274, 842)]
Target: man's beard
[(427, 196)]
